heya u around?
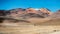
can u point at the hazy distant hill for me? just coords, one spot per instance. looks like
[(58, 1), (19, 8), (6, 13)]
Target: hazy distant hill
[(56, 15)]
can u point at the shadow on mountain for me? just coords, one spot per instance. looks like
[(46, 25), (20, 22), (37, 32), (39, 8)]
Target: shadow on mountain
[(32, 15), (1, 20)]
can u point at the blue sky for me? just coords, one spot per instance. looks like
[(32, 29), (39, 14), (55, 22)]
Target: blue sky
[(53, 5)]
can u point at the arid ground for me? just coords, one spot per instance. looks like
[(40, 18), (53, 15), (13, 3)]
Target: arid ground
[(35, 26)]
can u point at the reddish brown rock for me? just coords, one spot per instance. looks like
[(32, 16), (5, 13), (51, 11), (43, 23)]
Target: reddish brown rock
[(31, 10), (44, 10)]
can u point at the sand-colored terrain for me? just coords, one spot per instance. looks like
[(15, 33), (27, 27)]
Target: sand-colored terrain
[(28, 29), (36, 26)]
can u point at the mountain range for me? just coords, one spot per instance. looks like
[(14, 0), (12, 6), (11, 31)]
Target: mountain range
[(30, 15), (43, 12)]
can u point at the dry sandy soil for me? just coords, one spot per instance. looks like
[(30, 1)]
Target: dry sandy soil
[(34, 27)]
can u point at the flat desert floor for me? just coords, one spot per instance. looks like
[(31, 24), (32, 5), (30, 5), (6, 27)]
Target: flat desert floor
[(28, 29)]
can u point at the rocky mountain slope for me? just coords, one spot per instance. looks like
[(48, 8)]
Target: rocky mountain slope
[(28, 12), (54, 19)]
